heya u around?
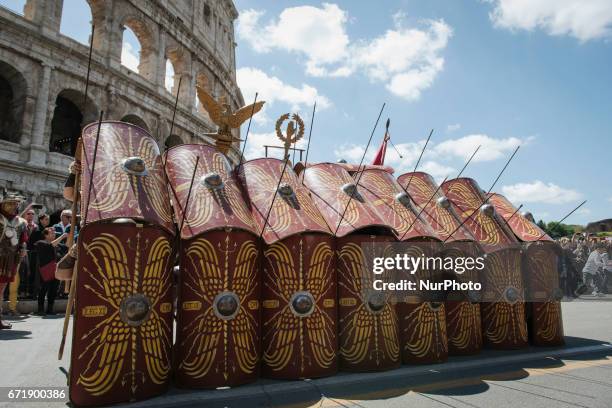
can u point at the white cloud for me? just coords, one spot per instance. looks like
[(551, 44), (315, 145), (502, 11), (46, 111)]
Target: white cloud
[(410, 152), (610, 199), (539, 192), (490, 148), (437, 170), (129, 57), (583, 211), (319, 33), (459, 149), (353, 153), (271, 89), (584, 20), (453, 127), (257, 141), (406, 60)]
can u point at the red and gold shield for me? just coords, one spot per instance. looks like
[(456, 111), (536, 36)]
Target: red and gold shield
[(502, 306), (218, 316), (129, 179), (299, 319), (367, 319), (423, 337), (122, 337), (539, 275), (462, 313), (368, 325)]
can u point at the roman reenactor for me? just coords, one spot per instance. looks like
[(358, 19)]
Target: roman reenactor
[(13, 243)]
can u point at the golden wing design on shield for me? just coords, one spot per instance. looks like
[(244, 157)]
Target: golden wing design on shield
[(487, 230), (243, 325), (549, 323), (359, 331), (109, 339), (206, 330), (155, 277), (154, 183), (319, 324), (286, 325), (503, 317), (231, 194), (200, 211), (110, 346), (363, 323), (334, 198), (426, 329), (283, 273), (465, 317), (155, 342), (280, 217), (285, 331), (388, 326), (111, 184), (155, 332), (352, 256), (542, 270)]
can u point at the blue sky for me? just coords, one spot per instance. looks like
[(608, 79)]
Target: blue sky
[(492, 73), (497, 73)]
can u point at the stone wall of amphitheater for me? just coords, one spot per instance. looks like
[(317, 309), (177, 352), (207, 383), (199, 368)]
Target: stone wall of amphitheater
[(43, 73)]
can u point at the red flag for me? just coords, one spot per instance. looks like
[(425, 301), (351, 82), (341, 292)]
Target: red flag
[(379, 159)]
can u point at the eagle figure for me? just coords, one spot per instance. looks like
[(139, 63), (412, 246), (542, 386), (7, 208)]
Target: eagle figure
[(221, 114)]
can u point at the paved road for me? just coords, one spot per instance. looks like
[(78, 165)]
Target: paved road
[(534, 378)]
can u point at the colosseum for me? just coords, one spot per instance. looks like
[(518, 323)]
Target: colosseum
[(43, 75)]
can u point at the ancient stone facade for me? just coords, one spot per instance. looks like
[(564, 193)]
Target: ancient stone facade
[(599, 226), (43, 75)]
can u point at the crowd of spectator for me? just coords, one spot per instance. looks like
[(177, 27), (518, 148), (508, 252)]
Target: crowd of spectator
[(46, 245), (584, 266)]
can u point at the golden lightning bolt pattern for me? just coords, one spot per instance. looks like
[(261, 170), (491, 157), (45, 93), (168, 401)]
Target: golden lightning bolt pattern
[(110, 339), (206, 278), (287, 279)]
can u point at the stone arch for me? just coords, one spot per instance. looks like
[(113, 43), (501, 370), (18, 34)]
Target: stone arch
[(147, 54), (180, 59), (13, 91), (68, 120), (78, 29), (135, 120), (172, 140)]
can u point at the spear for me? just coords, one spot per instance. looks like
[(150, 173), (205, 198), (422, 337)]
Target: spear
[(247, 135), (178, 92), (563, 219), (468, 162), (72, 292), (280, 179), (314, 109), (359, 168)]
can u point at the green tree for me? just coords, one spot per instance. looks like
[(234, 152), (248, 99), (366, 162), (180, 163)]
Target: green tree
[(557, 230)]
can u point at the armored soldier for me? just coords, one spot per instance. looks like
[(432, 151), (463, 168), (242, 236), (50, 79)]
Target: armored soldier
[(12, 242)]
